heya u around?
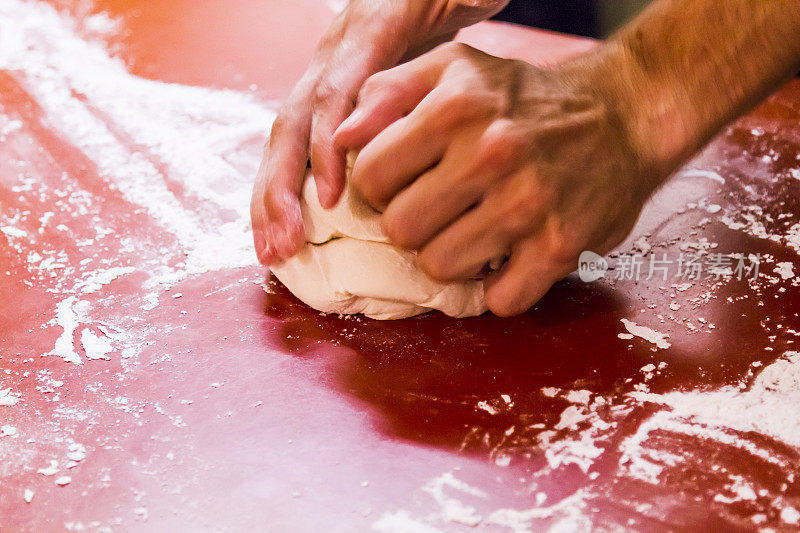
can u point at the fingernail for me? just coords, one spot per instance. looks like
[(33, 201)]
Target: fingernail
[(354, 118)]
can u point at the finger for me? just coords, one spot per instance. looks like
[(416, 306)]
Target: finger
[(509, 212), (259, 221), (258, 217), (416, 142), (396, 157), (286, 232), (386, 97), (426, 206), (469, 170), (439, 196), (410, 146), (275, 209), (285, 172), (327, 159), (525, 278), (333, 101)]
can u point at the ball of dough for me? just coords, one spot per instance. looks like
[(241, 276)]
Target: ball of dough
[(347, 266)]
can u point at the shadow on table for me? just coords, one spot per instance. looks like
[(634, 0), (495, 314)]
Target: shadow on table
[(433, 376)]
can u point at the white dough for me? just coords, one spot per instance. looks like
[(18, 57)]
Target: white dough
[(348, 267)]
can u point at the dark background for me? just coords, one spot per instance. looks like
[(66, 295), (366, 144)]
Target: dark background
[(592, 18)]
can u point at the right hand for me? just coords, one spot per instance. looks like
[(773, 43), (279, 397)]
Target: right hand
[(367, 37)]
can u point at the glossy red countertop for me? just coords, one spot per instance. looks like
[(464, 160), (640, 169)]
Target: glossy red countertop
[(151, 380)]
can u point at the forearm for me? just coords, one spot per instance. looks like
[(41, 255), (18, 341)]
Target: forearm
[(685, 68), (385, 31)]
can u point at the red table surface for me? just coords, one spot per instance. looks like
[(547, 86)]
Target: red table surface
[(224, 406)]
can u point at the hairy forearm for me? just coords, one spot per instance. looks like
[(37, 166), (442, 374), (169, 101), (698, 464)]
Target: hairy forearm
[(685, 68)]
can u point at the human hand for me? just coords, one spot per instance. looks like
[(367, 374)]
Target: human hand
[(496, 158), (368, 36)]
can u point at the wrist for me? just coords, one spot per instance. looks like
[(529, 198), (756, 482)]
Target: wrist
[(653, 120)]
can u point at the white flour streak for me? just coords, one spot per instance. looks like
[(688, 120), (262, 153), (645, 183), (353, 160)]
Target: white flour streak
[(767, 407), (566, 515), (50, 470), (700, 173), (184, 155), (453, 510), (146, 136), (95, 281), (650, 335), (13, 231), (568, 512)]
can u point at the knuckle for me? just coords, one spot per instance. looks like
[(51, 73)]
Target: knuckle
[(384, 94), (393, 228), (529, 197), (502, 304), (456, 49), (564, 247), (367, 188), (279, 126), (522, 207), (453, 105), (500, 142), (375, 84), (322, 93), (514, 223), (451, 97)]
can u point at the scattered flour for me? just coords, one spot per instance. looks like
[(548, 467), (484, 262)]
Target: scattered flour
[(785, 270), (7, 397), (402, 522), (12, 231), (761, 408), (67, 319), (50, 470), (143, 136), (568, 514), (790, 515), (203, 137)]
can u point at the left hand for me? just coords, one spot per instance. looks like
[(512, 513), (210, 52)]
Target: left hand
[(496, 158)]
